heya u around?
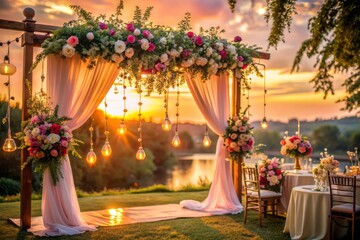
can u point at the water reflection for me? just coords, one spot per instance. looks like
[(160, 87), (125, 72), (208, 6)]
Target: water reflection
[(192, 169)]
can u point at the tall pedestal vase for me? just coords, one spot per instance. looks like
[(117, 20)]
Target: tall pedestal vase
[(297, 164)]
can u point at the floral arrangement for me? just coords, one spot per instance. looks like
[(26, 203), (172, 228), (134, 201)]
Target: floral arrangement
[(46, 137), (320, 172), (141, 47), (270, 174), (295, 146), (238, 138)]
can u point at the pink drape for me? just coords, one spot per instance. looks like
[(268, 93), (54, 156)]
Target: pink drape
[(212, 98), (78, 91)]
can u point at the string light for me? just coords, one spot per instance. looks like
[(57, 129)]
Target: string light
[(206, 140), (176, 142), (106, 149), (91, 156), (8, 69), (166, 124), (264, 123), (140, 154), (122, 126)]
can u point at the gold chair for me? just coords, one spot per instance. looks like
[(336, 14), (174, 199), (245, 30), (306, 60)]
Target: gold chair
[(255, 198), (343, 201)]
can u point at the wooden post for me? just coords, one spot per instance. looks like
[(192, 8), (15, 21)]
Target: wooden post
[(236, 168), (26, 173)]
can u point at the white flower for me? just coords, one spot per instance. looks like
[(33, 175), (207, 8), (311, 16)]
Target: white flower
[(233, 144), (201, 61), (120, 46), (117, 58), (231, 49), (68, 51), (129, 52), (137, 32), (162, 40), (240, 64), (35, 132), (180, 49), (151, 36), (220, 46), (211, 61), (174, 53), (238, 123), (68, 135), (274, 180), (187, 63), (164, 57), (144, 44), (53, 138), (90, 36), (209, 51)]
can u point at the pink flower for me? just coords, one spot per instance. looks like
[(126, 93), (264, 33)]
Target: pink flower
[(54, 153), (283, 142), (270, 167), (230, 149), (64, 143), (146, 33), (246, 147), (233, 136), (151, 47), (73, 41), (35, 119), (112, 32), (263, 169), (190, 34), (198, 41), (242, 129), (302, 149), (160, 66), (237, 149), (186, 54), (271, 173), (279, 177), (223, 54), (278, 172), (237, 39), (227, 142), (131, 38), (240, 58), (130, 27), (103, 26)]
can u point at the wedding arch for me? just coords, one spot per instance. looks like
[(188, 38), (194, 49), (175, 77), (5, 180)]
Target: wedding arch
[(94, 65)]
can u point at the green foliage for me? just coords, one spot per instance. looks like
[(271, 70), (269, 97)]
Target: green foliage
[(326, 136), (154, 188), (184, 24), (9, 187)]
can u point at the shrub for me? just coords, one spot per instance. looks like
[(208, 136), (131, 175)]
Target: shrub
[(9, 187)]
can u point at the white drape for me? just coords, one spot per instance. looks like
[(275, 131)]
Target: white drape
[(78, 91), (212, 98)]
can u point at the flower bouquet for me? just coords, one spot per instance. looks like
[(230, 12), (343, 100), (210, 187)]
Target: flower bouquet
[(270, 174), (295, 147), (46, 137), (238, 138), (320, 172)]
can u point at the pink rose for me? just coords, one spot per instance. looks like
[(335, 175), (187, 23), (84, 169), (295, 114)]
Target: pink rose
[(160, 66), (270, 167), (64, 143), (242, 129), (112, 32), (54, 153), (131, 38), (198, 41), (233, 136), (230, 149), (35, 119), (302, 149), (283, 142), (237, 39), (73, 41), (271, 173), (130, 27), (186, 53), (146, 33), (190, 34), (103, 26), (151, 47), (227, 142), (240, 58), (279, 177), (246, 147), (223, 54)]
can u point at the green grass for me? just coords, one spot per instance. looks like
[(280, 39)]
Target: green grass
[(212, 228)]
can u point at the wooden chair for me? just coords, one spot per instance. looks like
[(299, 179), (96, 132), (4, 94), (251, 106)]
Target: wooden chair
[(343, 201), (255, 198)]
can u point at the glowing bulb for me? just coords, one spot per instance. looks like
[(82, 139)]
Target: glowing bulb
[(140, 154), (7, 68), (166, 124), (206, 140), (176, 140), (122, 128), (106, 150), (264, 123), (91, 158), (9, 145)]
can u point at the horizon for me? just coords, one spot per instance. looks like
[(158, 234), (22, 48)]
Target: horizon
[(288, 95)]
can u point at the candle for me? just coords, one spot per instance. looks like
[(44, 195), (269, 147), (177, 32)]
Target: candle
[(298, 128)]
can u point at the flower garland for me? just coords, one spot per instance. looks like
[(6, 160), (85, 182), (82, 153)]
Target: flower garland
[(295, 146), (138, 46), (46, 137), (270, 174), (238, 138)]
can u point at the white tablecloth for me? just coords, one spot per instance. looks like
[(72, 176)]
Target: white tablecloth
[(292, 179)]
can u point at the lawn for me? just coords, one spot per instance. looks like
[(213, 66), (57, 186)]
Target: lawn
[(215, 227)]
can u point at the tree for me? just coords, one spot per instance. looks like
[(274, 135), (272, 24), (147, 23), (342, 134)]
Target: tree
[(334, 41), (326, 136)]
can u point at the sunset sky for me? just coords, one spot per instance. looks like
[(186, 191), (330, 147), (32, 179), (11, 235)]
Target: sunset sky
[(289, 95)]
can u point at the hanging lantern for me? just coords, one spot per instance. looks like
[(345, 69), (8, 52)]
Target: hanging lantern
[(91, 158), (140, 154), (122, 128), (166, 124), (264, 123), (9, 145), (6, 68), (206, 140), (176, 140), (106, 149)]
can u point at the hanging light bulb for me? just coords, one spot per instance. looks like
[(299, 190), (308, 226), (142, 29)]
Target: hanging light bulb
[(264, 123), (176, 140), (116, 90), (91, 156), (166, 124), (106, 149), (140, 154), (6, 68), (9, 145), (122, 128), (206, 140)]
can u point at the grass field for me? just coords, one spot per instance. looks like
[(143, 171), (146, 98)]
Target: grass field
[(205, 228)]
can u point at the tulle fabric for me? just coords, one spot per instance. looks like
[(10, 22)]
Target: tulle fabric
[(212, 98)]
